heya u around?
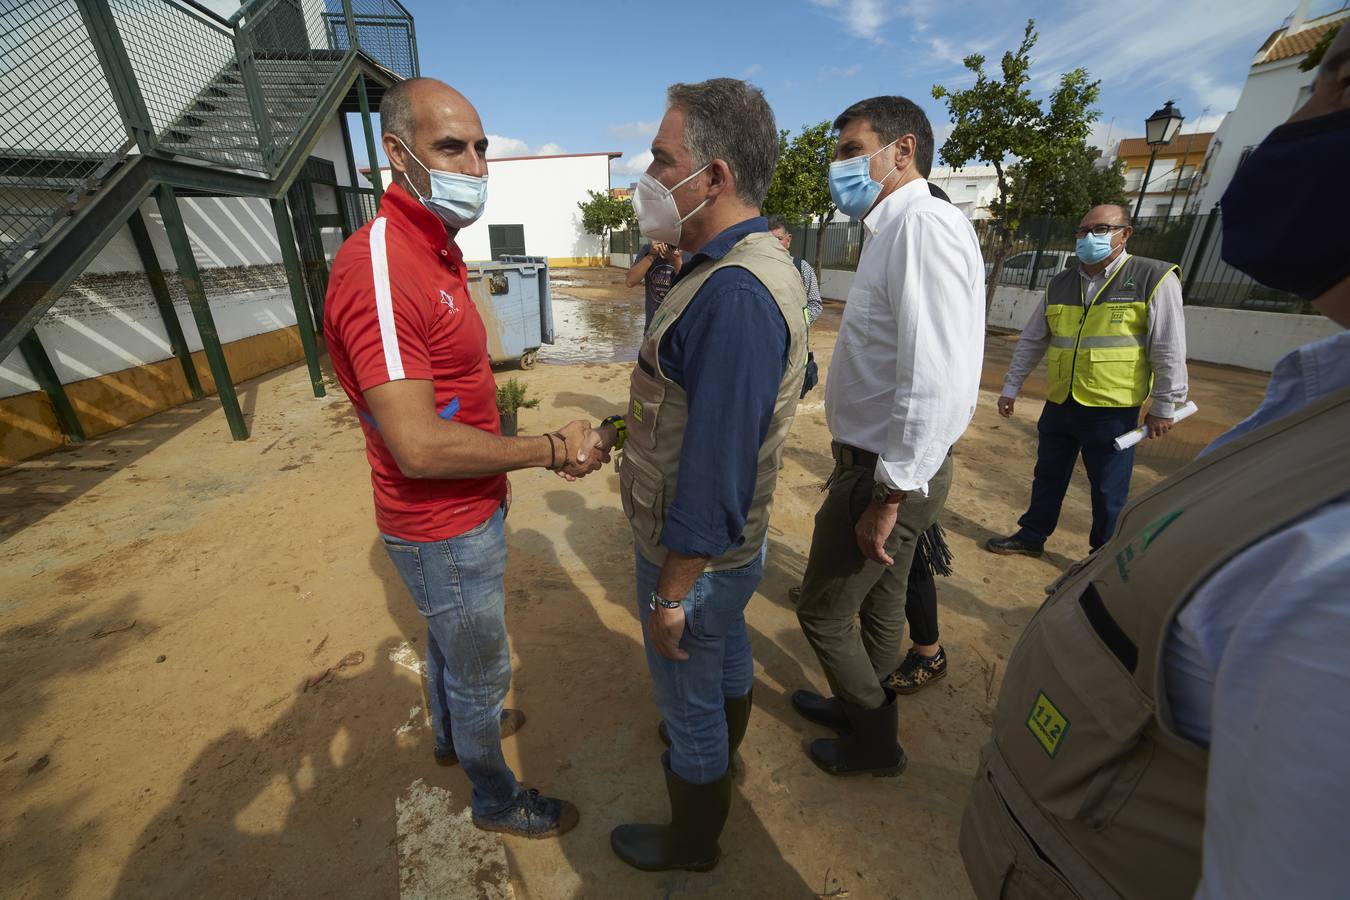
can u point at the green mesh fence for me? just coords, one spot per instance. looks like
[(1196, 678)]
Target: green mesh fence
[(384, 30)]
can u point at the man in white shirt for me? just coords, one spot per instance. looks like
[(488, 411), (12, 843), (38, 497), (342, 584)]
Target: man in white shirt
[(901, 389)]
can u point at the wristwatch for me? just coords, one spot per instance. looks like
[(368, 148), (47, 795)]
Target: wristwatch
[(883, 494), (620, 429), (658, 600)]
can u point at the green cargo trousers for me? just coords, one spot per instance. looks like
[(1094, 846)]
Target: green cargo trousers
[(852, 609)]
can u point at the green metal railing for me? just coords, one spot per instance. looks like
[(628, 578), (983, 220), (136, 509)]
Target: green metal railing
[(357, 206), (87, 82)]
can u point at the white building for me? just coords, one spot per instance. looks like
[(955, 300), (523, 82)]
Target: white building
[(1275, 87), (532, 208), (971, 188)]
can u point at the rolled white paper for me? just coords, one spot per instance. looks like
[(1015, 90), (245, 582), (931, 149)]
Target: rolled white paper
[(1130, 438)]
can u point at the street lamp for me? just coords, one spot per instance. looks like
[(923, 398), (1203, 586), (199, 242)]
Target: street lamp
[(1159, 129)]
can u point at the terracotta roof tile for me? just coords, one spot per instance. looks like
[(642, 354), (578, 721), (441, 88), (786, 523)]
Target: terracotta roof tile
[(1298, 43), (1182, 144)]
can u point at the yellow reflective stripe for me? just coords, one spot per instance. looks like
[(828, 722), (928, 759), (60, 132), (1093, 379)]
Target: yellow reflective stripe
[(1063, 341)]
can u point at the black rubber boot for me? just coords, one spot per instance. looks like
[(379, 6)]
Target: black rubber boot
[(697, 814), (871, 749), (737, 710), (827, 711)]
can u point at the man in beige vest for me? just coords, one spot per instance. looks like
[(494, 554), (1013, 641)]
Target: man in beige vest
[(713, 396), (1173, 721)]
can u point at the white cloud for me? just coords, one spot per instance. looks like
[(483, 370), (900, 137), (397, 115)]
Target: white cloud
[(752, 70), (1155, 42), (500, 146), (860, 18), (840, 71), (635, 165), (632, 131)]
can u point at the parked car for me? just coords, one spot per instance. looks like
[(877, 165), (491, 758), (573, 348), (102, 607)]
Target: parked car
[(1017, 268)]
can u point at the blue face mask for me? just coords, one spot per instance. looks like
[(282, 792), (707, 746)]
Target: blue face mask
[(852, 186), (1093, 248), (457, 200)]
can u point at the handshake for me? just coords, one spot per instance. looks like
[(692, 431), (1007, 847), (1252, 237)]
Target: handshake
[(577, 449)]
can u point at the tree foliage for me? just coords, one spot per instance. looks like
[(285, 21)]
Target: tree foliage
[(603, 213), (1073, 185), (800, 191), (999, 122), (1319, 50)]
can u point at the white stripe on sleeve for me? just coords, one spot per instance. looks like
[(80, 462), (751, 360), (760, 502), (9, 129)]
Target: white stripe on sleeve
[(384, 300)]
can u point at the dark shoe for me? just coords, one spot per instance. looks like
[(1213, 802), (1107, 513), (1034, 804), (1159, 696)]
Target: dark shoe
[(870, 749), (917, 671), (697, 814), (738, 718), (532, 815), (827, 711), (512, 721), (1008, 546)]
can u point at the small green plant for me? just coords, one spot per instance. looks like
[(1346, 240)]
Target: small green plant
[(512, 396)]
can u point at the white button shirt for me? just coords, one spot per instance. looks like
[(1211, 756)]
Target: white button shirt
[(905, 375)]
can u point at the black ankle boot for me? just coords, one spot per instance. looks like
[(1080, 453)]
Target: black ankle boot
[(697, 814), (870, 749), (827, 711)]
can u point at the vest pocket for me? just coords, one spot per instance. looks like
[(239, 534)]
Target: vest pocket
[(1001, 858), (1115, 370), (1069, 718), (643, 493)]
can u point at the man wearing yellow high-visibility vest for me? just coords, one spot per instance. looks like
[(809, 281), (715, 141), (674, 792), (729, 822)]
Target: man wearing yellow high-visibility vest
[(1115, 335)]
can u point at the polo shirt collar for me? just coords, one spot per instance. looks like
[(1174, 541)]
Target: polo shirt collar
[(721, 245), (406, 209), (895, 205)]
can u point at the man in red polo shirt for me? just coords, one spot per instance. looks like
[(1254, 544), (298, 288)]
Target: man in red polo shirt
[(410, 349)]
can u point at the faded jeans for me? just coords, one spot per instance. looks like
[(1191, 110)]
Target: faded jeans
[(692, 693), (457, 586)]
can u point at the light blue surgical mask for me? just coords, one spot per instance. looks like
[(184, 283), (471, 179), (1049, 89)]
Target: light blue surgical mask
[(852, 186), (457, 200), (1093, 248)]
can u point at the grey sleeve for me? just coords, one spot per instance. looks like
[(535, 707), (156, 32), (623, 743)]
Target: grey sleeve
[(814, 306), (1031, 347), (1167, 347)]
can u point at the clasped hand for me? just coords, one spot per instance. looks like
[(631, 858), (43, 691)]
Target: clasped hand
[(583, 450)]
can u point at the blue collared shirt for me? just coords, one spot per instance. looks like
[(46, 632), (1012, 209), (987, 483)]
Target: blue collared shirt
[(728, 352), (1256, 669)]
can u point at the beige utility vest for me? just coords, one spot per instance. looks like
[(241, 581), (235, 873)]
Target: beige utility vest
[(1086, 790), (1099, 345), (659, 408)]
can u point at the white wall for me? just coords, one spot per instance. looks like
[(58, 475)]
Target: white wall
[(1232, 337), (971, 189), (542, 194), (1269, 96)]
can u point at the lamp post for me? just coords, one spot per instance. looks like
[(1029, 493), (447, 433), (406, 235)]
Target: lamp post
[(1159, 129)]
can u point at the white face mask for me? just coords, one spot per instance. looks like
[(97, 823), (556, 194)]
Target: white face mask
[(658, 216), (457, 200)]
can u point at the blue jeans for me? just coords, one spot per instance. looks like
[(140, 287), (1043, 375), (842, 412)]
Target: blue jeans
[(1066, 430), (457, 585), (692, 693)]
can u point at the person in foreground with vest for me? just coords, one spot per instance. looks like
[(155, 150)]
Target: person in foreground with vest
[(1115, 331), (1174, 719), (410, 349), (714, 393), (902, 388)]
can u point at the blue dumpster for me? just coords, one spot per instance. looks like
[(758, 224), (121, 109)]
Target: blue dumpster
[(514, 300)]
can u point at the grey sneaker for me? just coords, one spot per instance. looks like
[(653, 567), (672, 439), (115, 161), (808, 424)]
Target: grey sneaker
[(532, 815)]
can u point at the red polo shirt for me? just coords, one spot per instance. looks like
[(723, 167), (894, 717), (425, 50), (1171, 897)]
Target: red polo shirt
[(397, 307)]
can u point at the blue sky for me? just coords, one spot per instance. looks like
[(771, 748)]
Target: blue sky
[(574, 77)]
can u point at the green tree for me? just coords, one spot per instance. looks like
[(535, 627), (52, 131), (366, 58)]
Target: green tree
[(603, 213), (998, 121), (1319, 50), (800, 191), (1075, 183)]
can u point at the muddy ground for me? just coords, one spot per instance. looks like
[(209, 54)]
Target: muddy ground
[(207, 681)]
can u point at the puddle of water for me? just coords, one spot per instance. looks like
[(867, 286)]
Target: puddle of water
[(593, 331)]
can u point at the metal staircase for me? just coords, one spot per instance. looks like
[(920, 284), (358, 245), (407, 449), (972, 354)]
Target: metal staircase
[(112, 101)]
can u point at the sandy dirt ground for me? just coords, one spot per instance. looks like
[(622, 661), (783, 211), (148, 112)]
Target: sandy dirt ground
[(208, 685)]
